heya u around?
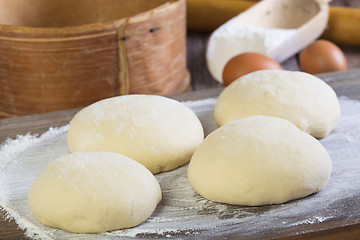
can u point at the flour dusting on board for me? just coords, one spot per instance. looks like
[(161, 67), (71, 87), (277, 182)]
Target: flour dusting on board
[(313, 220), (182, 213)]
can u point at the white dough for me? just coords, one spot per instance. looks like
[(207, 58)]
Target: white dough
[(304, 99), (160, 133), (257, 161), (94, 192)]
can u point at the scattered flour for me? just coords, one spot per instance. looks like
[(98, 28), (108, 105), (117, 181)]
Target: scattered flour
[(234, 37), (182, 213), (314, 220), (12, 147)]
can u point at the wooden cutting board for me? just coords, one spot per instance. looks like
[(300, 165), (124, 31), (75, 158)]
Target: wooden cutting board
[(344, 222)]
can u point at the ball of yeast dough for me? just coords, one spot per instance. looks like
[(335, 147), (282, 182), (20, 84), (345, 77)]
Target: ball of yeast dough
[(94, 192), (160, 133), (258, 160), (304, 99)]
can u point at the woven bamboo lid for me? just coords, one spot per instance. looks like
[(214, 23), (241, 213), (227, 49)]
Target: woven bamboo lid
[(64, 54)]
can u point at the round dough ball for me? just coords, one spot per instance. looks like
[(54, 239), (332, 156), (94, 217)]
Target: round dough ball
[(303, 99), (160, 133), (94, 192), (259, 160)]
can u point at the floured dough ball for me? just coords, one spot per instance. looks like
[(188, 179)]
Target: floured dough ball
[(259, 160), (303, 99), (160, 133), (94, 192)]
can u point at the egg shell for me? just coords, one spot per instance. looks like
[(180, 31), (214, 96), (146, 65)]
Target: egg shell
[(246, 63), (322, 56)]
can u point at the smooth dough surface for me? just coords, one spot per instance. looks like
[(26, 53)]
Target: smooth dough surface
[(303, 99), (259, 160), (160, 133), (94, 192)]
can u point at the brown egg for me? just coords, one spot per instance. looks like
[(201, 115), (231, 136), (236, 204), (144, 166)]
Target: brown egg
[(245, 63), (322, 56)]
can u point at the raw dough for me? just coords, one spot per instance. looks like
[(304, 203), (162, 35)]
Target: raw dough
[(259, 160), (304, 99), (94, 192), (160, 133)]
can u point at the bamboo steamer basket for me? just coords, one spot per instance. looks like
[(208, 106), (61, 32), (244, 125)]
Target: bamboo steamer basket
[(63, 54)]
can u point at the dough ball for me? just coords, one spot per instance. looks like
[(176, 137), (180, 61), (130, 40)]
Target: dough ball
[(94, 192), (160, 133), (303, 99), (259, 160)]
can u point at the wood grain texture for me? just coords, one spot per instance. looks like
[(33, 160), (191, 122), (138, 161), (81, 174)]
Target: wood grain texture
[(39, 74), (156, 53), (52, 68)]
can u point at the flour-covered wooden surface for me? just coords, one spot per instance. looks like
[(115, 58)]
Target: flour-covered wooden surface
[(183, 213), (341, 223)]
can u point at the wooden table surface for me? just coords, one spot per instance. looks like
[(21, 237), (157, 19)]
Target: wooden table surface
[(202, 85)]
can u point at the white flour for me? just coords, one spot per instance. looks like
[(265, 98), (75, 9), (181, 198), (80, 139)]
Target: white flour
[(183, 213), (233, 38), (313, 220)]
